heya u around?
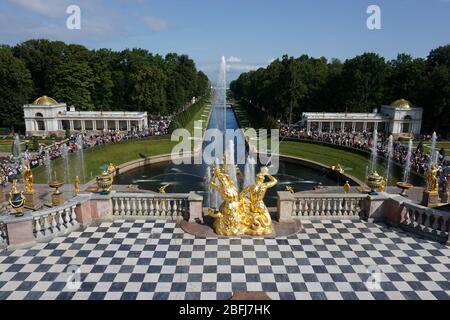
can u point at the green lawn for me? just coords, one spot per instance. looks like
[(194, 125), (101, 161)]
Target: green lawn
[(329, 156), (117, 154)]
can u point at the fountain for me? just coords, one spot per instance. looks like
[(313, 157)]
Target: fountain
[(48, 164), (374, 154), (433, 159), (65, 156), (405, 185), (249, 172), (375, 182), (15, 147), (390, 156), (80, 157)]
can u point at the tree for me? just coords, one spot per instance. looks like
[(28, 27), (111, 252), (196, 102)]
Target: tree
[(75, 84), (16, 88), (148, 92), (363, 82)]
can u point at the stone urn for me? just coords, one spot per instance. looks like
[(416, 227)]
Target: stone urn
[(376, 182), (105, 181)]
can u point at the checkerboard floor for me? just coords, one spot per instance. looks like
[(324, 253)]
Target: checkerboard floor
[(156, 260)]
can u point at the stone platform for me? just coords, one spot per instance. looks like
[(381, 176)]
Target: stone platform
[(280, 229)]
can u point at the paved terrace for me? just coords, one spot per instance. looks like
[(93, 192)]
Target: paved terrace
[(138, 259)]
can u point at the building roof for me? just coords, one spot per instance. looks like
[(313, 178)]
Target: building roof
[(402, 103), (45, 101)]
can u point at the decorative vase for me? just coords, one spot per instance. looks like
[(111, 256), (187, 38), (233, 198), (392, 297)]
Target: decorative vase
[(105, 182), (376, 182), (16, 200)]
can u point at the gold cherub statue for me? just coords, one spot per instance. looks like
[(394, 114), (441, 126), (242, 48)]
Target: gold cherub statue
[(163, 188), (432, 179), (76, 185), (290, 189), (28, 180)]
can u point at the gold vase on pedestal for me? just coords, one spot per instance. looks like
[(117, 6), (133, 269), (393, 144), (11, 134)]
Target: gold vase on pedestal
[(105, 181), (16, 199), (57, 195), (376, 182)]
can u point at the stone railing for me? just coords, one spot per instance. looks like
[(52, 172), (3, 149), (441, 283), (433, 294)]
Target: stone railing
[(427, 222), (54, 222), (142, 205), (326, 206)]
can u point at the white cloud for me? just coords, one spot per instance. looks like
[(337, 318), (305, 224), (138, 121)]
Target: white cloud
[(243, 67), (155, 23), (233, 59)]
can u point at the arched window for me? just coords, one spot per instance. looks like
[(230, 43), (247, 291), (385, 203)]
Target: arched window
[(406, 128), (40, 122)]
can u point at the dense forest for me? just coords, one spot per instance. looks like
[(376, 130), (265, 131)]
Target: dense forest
[(95, 79), (360, 84)]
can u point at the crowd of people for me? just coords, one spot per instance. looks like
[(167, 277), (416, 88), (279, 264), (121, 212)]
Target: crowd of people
[(13, 166), (420, 159)]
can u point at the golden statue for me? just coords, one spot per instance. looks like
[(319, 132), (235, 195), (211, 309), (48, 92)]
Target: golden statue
[(432, 179), (243, 213), (290, 189), (257, 215), (112, 168), (28, 180), (338, 169), (228, 221), (163, 188), (76, 185), (346, 187)]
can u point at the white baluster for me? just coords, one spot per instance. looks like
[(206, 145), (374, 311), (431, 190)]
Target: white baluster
[(139, 200), (152, 207), (128, 207), (73, 217), (133, 206), (38, 228), (116, 206), (122, 207), (145, 207)]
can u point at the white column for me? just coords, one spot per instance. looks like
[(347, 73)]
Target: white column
[(105, 125), (353, 126), (94, 125), (342, 126), (117, 125), (128, 125), (320, 126), (331, 126), (71, 125), (308, 126), (83, 125), (375, 126), (364, 126)]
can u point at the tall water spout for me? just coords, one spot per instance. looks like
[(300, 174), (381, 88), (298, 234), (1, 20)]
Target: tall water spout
[(15, 149), (48, 165), (433, 159), (209, 190), (390, 156), (249, 172), (80, 156), (65, 157), (408, 162), (231, 163), (373, 160)]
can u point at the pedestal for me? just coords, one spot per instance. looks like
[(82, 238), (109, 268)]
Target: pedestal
[(32, 201), (57, 199), (430, 198)]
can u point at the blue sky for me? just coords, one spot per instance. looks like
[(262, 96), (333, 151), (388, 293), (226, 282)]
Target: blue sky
[(249, 32)]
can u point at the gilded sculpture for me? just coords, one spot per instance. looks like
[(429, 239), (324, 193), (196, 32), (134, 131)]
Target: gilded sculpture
[(432, 179), (28, 180), (256, 215), (244, 213)]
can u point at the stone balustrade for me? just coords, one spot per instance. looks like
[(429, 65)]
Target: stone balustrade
[(327, 206), (142, 205), (53, 222), (427, 222), (44, 225)]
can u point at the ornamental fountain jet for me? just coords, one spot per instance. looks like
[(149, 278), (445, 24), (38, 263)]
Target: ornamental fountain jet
[(433, 159), (375, 182), (405, 185), (390, 156)]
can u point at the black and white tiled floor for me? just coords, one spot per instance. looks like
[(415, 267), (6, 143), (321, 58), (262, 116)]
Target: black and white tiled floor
[(156, 260)]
